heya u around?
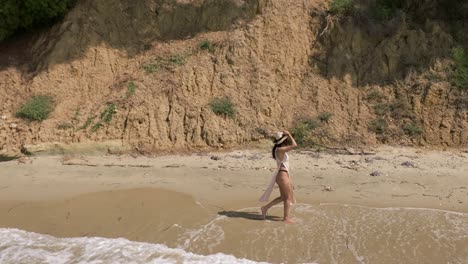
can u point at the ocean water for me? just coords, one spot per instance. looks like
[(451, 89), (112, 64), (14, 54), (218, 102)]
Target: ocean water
[(335, 233), (328, 233)]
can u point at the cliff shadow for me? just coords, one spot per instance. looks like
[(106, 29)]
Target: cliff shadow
[(130, 26), (365, 49)]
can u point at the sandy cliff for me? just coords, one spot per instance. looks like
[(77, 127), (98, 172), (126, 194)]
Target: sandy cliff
[(269, 57)]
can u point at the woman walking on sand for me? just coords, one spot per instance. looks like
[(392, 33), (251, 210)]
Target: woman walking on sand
[(284, 142)]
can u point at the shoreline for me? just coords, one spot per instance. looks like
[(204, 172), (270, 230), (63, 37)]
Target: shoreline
[(403, 177)]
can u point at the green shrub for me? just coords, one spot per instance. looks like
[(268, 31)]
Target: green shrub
[(150, 67), (108, 113), (301, 134), (378, 126), (386, 9), (131, 88), (459, 56), (311, 123), (302, 131), (105, 117), (342, 7), (324, 116), (88, 122), (26, 14), (223, 106), (461, 103), (37, 108), (375, 96), (412, 129), (460, 77), (401, 109), (206, 45), (158, 63), (381, 109), (177, 59), (96, 126)]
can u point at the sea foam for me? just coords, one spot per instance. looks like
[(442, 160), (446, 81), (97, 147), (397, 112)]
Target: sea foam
[(21, 247)]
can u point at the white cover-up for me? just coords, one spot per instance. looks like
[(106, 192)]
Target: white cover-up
[(266, 195)]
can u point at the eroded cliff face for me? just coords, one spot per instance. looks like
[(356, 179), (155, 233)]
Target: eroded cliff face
[(403, 70), (263, 60)]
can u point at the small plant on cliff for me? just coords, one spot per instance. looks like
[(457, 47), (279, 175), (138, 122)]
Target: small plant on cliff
[(131, 88), (378, 126), (88, 122), (150, 67), (302, 131), (206, 45), (105, 117), (342, 7), (324, 116), (381, 109), (96, 126), (37, 108), (412, 129), (386, 9), (460, 77), (401, 109), (223, 106), (160, 63), (108, 113), (375, 96), (177, 59)]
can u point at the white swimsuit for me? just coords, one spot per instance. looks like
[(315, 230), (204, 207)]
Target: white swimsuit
[(271, 185)]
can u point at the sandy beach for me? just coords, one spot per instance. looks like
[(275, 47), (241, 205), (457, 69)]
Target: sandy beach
[(157, 199)]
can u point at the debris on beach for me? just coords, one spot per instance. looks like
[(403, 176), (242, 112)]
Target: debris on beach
[(353, 165), (215, 157), (327, 188), (376, 173), (24, 160), (408, 164), (255, 157), (174, 166)]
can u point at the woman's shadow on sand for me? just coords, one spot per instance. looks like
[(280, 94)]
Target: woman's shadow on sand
[(249, 215)]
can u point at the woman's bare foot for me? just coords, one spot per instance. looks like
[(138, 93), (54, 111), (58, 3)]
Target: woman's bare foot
[(264, 211), (289, 221)]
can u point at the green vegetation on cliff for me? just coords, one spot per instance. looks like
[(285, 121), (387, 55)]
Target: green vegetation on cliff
[(460, 79), (27, 14), (342, 7), (37, 108), (223, 106)]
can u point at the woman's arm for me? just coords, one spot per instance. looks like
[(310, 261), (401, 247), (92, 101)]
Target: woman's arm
[(290, 147)]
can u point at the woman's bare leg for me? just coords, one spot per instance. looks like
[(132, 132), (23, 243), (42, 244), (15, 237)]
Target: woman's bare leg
[(272, 203), (285, 188), (269, 205)]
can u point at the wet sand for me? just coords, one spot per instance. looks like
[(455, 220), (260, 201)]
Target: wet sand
[(184, 201)]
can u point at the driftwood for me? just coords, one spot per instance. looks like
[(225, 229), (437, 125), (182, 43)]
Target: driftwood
[(71, 163), (345, 150)]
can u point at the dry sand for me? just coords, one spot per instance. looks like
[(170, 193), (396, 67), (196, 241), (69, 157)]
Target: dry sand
[(146, 199), (407, 177)]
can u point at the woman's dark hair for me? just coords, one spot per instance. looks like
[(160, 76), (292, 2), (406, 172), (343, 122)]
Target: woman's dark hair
[(284, 143)]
